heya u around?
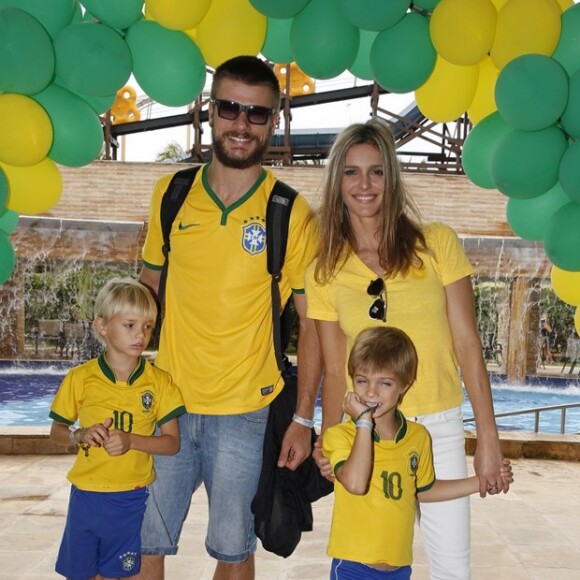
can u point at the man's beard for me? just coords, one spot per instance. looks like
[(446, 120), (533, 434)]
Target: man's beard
[(254, 157)]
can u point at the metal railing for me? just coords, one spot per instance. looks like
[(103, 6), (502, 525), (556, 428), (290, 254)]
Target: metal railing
[(536, 411)]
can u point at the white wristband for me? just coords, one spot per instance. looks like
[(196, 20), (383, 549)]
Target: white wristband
[(309, 423), (364, 423)]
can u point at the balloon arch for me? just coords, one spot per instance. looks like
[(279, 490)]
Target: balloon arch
[(512, 65)]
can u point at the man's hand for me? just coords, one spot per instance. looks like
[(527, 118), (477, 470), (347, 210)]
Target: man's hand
[(296, 446)]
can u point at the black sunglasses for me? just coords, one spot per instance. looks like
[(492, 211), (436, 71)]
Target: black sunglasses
[(378, 309), (230, 110)]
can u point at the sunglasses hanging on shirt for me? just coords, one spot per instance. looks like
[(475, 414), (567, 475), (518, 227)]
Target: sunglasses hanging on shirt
[(378, 309)]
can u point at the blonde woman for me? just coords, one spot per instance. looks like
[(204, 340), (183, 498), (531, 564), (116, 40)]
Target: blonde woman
[(379, 265)]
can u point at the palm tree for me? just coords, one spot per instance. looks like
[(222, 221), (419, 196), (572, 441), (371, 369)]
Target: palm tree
[(172, 153)]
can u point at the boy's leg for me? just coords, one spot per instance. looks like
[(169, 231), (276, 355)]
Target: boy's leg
[(446, 526), (177, 477), (233, 448)]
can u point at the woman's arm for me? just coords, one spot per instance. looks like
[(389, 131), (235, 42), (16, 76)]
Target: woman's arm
[(468, 351), (333, 347)]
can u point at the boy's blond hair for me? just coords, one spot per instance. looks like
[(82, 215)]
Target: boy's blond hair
[(384, 348), (124, 295)]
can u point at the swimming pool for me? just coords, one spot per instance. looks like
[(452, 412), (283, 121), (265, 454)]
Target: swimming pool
[(26, 395)]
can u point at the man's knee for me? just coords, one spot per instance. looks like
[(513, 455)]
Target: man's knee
[(235, 570), (152, 568)]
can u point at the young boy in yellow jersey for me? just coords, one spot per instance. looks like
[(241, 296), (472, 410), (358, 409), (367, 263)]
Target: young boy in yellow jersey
[(118, 399), (382, 463)]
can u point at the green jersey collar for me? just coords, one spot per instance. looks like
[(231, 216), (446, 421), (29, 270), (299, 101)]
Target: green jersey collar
[(109, 373)]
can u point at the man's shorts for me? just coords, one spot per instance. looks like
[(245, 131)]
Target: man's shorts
[(346, 570), (102, 534), (224, 452)]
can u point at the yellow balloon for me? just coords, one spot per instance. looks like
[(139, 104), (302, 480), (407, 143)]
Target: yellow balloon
[(177, 14), (462, 31), (498, 4), (566, 285), (25, 130), (230, 28), (33, 189), (483, 103), (565, 4), (524, 27), (448, 92)]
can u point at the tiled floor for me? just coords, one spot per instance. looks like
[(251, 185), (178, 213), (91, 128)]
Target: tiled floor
[(533, 533)]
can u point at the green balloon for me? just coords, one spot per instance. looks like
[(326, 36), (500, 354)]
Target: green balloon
[(531, 92), (92, 59), (77, 13), (361, 67), (525, 163), (403, 57), (374, 14), (78, 135), (115, 13), (567, 52), (3, 193), (172, 74), (324, 43), (571, 116), (8, 221), (100, 105), (562, 238), (26, 53), (277, 43), (428, 5), (570, 172), (278, 9), (7, 258), (528, 218), (54, 15), (479, 148)]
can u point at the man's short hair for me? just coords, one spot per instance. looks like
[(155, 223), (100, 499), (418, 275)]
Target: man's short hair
[(249, 70)]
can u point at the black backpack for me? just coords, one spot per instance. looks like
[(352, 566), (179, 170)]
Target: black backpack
[(278, 211)]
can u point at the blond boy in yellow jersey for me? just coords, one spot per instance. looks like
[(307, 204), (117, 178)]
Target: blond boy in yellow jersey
[(118, 398)]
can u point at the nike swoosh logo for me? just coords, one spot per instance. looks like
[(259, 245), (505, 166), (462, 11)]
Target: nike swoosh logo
[(185, 227)]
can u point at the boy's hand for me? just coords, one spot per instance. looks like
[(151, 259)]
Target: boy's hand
[(97, 434), (353, 406), (506, 471), (119, 442)]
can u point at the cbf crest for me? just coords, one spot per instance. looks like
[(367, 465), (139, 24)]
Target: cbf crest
[(147, 400), (254, 235), (128, 561), (413, 462)]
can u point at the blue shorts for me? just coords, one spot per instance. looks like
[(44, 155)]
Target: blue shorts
[(346, 570), (224, 452), (102, 534)]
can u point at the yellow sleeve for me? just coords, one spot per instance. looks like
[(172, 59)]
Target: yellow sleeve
[(318, 300), (450, 258)]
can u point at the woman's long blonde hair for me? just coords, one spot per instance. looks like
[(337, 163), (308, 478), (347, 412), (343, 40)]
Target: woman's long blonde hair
[(399, 232)]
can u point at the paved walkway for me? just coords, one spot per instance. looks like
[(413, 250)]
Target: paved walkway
[(533, 533)]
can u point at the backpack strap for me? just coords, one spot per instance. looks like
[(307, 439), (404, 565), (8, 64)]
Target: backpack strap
[(171, 202), (278, 211)]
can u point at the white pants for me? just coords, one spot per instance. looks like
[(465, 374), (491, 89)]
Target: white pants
[(446, 525)]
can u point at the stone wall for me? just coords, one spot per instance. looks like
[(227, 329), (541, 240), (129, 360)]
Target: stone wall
[(120, 191)]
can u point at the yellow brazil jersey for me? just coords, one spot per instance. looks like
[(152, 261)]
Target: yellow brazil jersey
[(416, 303), (377, 527), (91, 393), (216, 338)]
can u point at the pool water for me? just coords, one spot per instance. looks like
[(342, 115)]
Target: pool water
[(26, 396)]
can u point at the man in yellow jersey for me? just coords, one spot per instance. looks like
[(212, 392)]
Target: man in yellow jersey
[(217, 336)]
